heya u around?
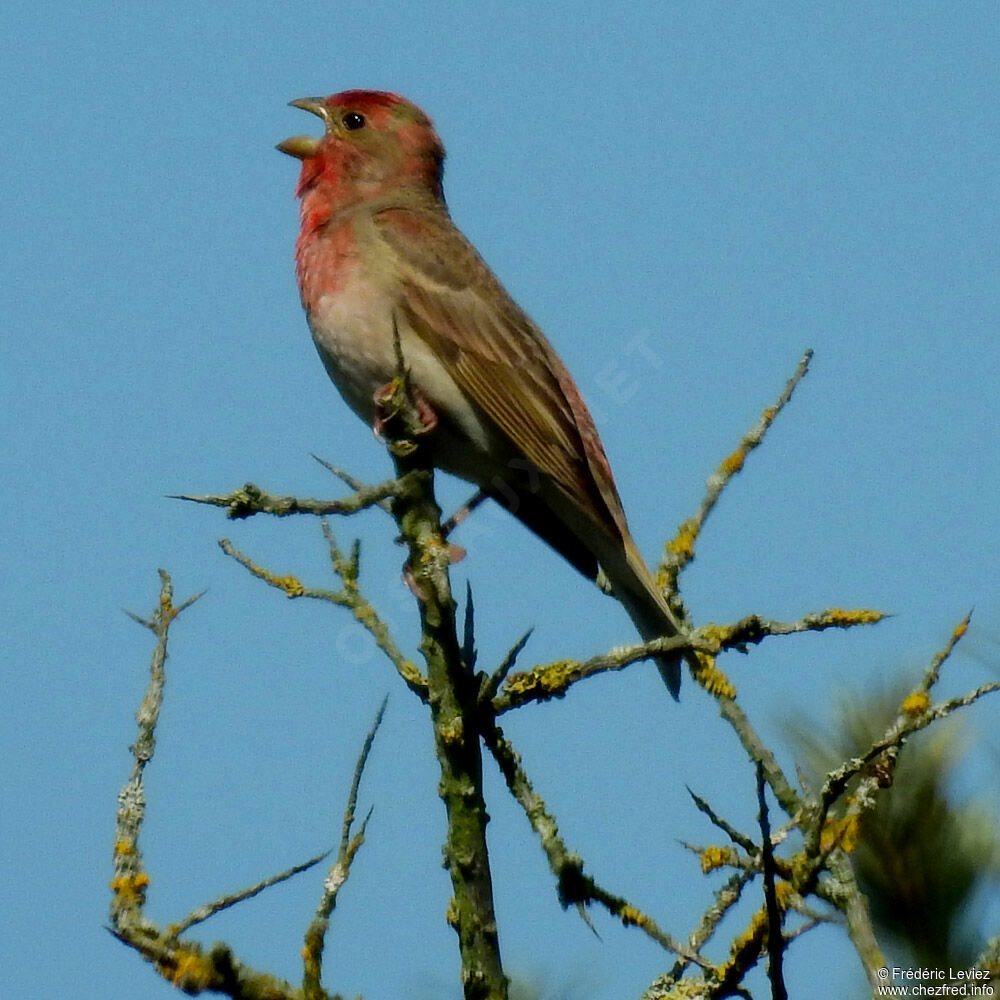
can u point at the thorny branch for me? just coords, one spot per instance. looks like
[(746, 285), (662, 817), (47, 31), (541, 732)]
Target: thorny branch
[(251, 499), (465, 706), (183, 962)]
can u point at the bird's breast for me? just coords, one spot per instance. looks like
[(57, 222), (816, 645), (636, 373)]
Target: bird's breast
[(354, 328)]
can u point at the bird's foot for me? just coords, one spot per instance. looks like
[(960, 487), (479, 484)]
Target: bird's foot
[(402, 413), (462, 513)]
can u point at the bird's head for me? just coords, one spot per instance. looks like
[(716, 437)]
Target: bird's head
[(373, 142)]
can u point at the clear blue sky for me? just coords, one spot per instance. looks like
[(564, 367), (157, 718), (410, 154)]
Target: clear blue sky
[(719, 186)]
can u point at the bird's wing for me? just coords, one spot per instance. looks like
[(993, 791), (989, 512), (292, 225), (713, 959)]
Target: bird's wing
[(499, 358)]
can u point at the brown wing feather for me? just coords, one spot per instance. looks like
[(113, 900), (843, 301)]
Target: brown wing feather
[(499, 358)]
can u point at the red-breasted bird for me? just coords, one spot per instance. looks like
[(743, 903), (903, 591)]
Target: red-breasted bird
[(378, 256)]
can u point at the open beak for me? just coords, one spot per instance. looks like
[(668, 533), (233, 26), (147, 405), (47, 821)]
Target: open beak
[(304, 146)]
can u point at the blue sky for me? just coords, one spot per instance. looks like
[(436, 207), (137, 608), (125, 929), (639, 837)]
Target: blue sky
[(684, 197)]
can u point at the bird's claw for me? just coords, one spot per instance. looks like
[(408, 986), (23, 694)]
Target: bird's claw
[(401, 413)]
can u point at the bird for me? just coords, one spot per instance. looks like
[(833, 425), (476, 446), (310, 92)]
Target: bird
[(383, 269)]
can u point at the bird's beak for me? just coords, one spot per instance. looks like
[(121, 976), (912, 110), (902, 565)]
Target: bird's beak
[(304, 146)]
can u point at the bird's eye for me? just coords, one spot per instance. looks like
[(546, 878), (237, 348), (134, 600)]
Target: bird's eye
[(352, 121)]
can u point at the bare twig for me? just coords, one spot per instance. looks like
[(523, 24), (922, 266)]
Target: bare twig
[(315, 939), (574, 887), (130, 879), (463, 512), (251, 499), (492, 683), (185, 964), (352, 481), (681, 549), (775, 938), (224, 902), (349, 596), (730, 831), (842, 891)]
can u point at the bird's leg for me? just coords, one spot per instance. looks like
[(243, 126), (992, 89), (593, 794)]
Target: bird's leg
[(395, 401), (463, 512)]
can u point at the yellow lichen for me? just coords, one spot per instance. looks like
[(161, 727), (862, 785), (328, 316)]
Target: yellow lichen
[(858, 616), (290, 585), (758, 922), (188, 970), (631, 916), (960, 629), (711, 678), (784, 893), (732, 464), (452, 734), (916, 703), (715, 635), (167, 611), (715, 857), (130, 889), (682, 544), (548, 680), (842, 833), (123, 847)]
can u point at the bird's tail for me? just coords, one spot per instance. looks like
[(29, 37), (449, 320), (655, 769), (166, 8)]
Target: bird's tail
[(648, 609)]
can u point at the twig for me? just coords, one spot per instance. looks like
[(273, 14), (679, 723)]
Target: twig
[(843, 892), (730, 831), (185, 964), (572, 885), (469, 630), (315, 938), (355, 484), (251, 499), (224, 902), (553, 680), (130, 879), (492, 683), (463, 512), (681, 549), (775, 939), (349, 596)]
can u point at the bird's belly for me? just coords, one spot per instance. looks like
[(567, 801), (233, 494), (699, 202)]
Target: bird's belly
[(355, 339)]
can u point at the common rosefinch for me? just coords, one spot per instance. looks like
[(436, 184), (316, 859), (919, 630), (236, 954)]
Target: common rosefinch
[(378, 256)]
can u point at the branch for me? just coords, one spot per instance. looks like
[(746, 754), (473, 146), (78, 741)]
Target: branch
[(452, 693), (680, 549), (349, 596), (224, 902), (730, 831), (251, 499), (312, 952), (573, 886), (355, 484), (842, 891), (183, 963), (553, 680), (775, 914), (130, 880)]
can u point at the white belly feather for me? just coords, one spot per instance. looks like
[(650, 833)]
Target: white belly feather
[(353, 332)]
